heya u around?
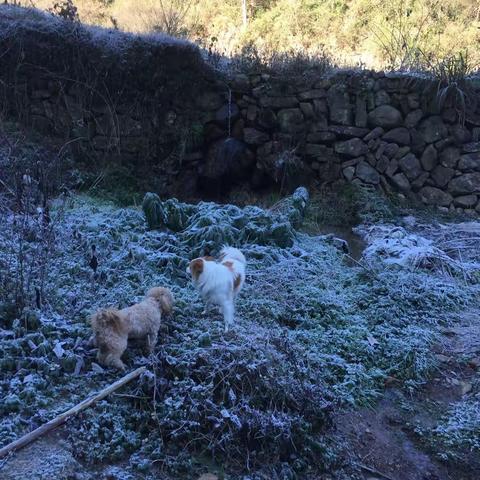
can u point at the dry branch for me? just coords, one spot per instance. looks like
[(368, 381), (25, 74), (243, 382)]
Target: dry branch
[(61, 419)]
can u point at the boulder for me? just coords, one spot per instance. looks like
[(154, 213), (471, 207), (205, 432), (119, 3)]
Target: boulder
[(442, 175), (465, 184), (385, 116), (351, 148), (291, 120), (410, 166), (399, 135), (432, 129), (435, 196), (429, 158), (339, 105), (469, 161), (465, 201), (367, 173)]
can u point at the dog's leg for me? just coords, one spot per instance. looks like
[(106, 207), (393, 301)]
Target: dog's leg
[(151, 341), (228, 311)]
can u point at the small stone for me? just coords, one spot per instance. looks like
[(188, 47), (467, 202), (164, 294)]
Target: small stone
[(391, 150), (465, 387), (400, 136), (435, 196), (348, 173), (410, 166), (433, 129), (312, 94), (352, 148), (307, 110), (469, 161), (442, 175), (367, 173), (291, 120), (429, 158), (471, 147), (413, 118), (401, 181), (474, 362), (442, 358), (375, 133), (252, 136), (449, 157), (465, 184), (465, 201), (382, 98)]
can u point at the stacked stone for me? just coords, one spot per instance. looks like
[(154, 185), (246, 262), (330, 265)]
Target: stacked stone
[(365, 127)]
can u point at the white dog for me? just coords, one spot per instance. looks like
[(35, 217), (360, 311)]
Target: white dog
[(219, 282)]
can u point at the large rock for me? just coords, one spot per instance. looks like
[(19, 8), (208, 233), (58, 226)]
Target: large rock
[(433, 129), (435, 196), (442, 175), (291, 120), (351, 148), (449, 157), (400, 136), (469, 161), (385, 116), (429, 158), (465, 201), (339, 105), (410, 166), (367, 173), (465, 184)]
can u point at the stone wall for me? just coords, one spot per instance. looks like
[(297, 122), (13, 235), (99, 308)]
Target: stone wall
[(152, 105), (365, 127)]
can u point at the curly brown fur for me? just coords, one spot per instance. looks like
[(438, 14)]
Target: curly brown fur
[(112, 328)]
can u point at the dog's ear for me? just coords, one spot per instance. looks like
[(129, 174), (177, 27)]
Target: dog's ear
[(164, 297), (196, 268)]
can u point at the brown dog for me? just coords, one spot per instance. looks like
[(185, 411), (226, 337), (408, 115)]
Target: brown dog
[(112, 328)]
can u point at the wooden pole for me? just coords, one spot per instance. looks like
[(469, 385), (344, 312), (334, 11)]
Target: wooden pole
[(62, 418)]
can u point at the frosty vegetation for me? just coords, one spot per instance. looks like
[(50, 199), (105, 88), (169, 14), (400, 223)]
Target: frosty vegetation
[(313, 335)]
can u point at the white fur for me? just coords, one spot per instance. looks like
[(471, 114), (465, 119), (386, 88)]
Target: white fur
[(216, 282)]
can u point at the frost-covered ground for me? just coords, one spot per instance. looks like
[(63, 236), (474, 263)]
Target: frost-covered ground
[(315, 334)]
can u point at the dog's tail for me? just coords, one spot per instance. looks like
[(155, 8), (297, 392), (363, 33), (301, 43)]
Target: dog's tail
[(164, 297), (234, 253), (108, 319)]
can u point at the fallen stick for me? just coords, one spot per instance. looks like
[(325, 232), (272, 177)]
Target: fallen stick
[(62, 418)]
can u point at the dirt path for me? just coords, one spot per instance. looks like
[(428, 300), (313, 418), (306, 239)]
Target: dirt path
[(384, 439)]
